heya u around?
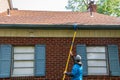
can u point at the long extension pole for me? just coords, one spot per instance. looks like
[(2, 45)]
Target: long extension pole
[(71, 47)]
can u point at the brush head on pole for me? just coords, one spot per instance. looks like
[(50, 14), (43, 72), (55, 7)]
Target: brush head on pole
[(75, 26)]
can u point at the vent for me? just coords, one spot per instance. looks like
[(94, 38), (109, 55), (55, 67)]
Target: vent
[(8, 12)]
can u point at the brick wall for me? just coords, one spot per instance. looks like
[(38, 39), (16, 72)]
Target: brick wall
[(56, 52)]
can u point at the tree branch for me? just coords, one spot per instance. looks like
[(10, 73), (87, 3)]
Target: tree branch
[(85, 3)]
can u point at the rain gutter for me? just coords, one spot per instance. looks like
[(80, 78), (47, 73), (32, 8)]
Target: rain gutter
[(59, 27)]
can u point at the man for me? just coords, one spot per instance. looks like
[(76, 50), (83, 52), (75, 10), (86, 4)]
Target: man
[(77, 69)]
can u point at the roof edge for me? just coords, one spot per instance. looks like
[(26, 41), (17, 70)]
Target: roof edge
[(59, 26)]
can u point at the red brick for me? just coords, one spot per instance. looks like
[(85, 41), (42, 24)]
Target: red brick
[(57, 52)]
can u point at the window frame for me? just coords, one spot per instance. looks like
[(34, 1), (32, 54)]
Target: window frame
[(106, 60), (13, 61)]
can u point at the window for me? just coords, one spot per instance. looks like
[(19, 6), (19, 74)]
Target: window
[(23, 61), (97, 62)]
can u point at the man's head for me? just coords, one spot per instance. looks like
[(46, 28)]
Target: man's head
[(78, 59)]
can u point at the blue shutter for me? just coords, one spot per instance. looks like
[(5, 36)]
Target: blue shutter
[(40, 60), (114, 60), (5, 60), (81, 50)]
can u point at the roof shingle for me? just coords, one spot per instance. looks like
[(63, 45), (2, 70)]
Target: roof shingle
[(55, 17)]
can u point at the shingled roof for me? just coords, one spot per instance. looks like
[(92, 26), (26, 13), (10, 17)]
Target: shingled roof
[(56, 17)]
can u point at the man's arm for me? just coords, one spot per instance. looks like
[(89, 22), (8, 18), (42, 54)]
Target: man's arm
[(69, 74), (73, 57), (73, 72)]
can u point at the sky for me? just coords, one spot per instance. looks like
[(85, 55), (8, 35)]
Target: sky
[(45, 5)]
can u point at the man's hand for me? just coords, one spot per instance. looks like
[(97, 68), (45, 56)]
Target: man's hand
[(71, 53), (64, 72)]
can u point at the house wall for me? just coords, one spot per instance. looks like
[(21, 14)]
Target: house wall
[(4, 5), (57, 47), (56, 54)]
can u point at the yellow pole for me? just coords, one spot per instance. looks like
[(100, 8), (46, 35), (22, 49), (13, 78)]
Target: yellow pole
[(68, 59)]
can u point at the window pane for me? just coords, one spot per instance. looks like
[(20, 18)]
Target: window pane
[(23, 72), (24, 57), (23, 49), (98, 70), (96, 63), (96, 49), (96, 56), (23, 64)]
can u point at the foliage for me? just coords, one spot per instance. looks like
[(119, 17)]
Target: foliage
[(77, 5), (109, 7)]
